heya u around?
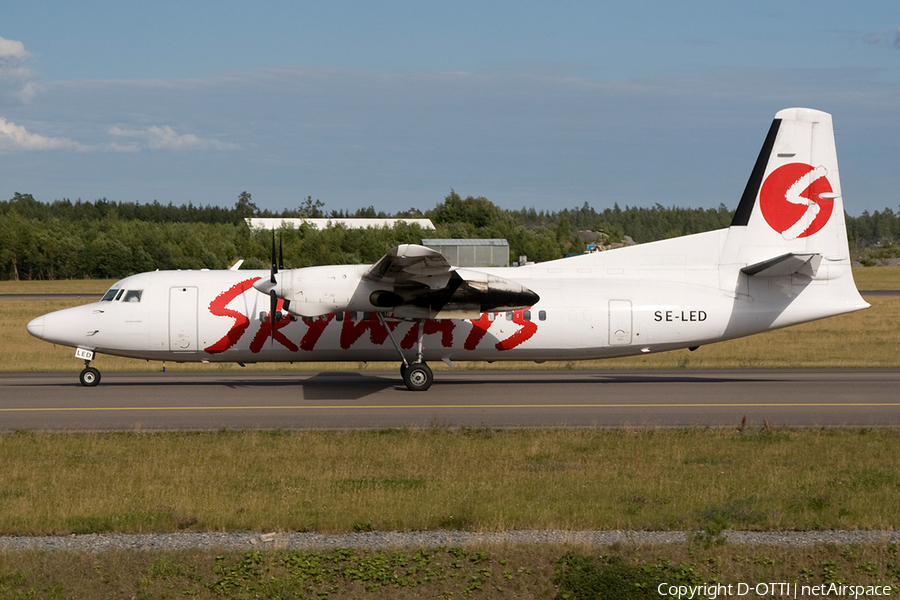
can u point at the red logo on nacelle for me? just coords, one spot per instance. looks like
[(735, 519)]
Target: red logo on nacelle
[(792, 202)]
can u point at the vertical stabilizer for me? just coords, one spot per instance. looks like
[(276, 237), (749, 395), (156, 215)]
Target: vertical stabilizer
[(787, 244), (792, 202)]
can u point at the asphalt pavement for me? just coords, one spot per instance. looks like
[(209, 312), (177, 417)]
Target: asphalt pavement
[(468, 398)]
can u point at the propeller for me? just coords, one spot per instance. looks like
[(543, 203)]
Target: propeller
[(273, 306), (273, 298), (275, 263), (273, 270)]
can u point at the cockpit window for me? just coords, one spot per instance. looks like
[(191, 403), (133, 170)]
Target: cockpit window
[(110, 295), (133, 296)]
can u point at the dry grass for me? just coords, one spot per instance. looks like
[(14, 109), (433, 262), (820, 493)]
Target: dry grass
[(439, 478), (94, 287), (877, 278)]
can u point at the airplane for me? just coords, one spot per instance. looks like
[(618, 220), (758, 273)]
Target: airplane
[(783, 260)]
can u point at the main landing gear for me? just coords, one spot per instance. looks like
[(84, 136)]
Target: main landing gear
[(417, 376), (90, 376)]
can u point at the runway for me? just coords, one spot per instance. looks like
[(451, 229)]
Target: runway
[(494, 399)]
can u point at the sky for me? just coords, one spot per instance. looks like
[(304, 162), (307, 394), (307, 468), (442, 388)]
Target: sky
[(395, 104)]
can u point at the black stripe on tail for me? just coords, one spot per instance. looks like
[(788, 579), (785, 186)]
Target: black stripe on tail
[(742, 214)]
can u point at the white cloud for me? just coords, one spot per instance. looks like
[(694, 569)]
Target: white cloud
[(879, 38), (17, 81), (874, 38), (12, 49), (165, 138), (15, 138)]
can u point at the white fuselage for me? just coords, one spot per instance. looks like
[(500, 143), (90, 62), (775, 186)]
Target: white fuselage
[(648, 298)]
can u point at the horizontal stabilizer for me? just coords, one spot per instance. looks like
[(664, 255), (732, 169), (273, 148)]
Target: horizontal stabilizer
[(785, 265)]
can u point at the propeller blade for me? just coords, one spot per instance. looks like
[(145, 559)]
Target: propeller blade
[(274, 267), (273, 306), (280, 255)]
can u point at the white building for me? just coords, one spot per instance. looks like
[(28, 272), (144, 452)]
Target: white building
[(472, 253), (278, 223)]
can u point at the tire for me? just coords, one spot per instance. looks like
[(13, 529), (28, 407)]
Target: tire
[(89, 377), (418, 377)]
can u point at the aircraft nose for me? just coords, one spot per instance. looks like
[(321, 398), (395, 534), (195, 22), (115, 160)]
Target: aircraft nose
[(36, 327)]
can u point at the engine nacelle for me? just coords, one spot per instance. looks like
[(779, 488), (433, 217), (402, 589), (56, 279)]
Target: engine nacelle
[(315, 291)]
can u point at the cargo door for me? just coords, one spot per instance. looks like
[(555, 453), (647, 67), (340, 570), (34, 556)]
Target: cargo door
[(183, 319), (619, 322)]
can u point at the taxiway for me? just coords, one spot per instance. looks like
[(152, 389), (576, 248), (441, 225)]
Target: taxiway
[(495, 399)]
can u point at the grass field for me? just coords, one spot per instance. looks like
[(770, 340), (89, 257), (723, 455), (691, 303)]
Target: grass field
[(700, 480), (877, 278), (441, 478), (619, 572)]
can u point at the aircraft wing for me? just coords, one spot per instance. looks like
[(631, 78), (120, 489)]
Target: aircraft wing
[(419, 282), (411, 264)]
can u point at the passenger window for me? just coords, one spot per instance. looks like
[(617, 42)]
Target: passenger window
[(110, 295), (339, 316), (526, 314), (133, 296), (542, 315)]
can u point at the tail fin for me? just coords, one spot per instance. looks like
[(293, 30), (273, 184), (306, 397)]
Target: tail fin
[(792, 203), (790, 220)]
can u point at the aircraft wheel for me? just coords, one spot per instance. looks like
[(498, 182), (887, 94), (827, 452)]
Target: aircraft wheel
[(418, 377), (403, 367), (89, 377)]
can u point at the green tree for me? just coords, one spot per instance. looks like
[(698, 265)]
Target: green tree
[(244, 207), (312, 209)]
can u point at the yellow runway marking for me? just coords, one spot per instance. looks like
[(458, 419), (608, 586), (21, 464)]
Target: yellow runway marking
[(445, 406)]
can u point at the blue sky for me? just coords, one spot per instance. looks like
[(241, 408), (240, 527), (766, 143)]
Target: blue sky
[(393, 104)]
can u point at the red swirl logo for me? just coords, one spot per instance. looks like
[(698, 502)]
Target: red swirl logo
[(797, 200)]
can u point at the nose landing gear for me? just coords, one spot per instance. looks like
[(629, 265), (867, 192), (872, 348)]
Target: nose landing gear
[(90, 376)]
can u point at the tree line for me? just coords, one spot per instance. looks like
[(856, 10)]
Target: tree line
[(107, 239)]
